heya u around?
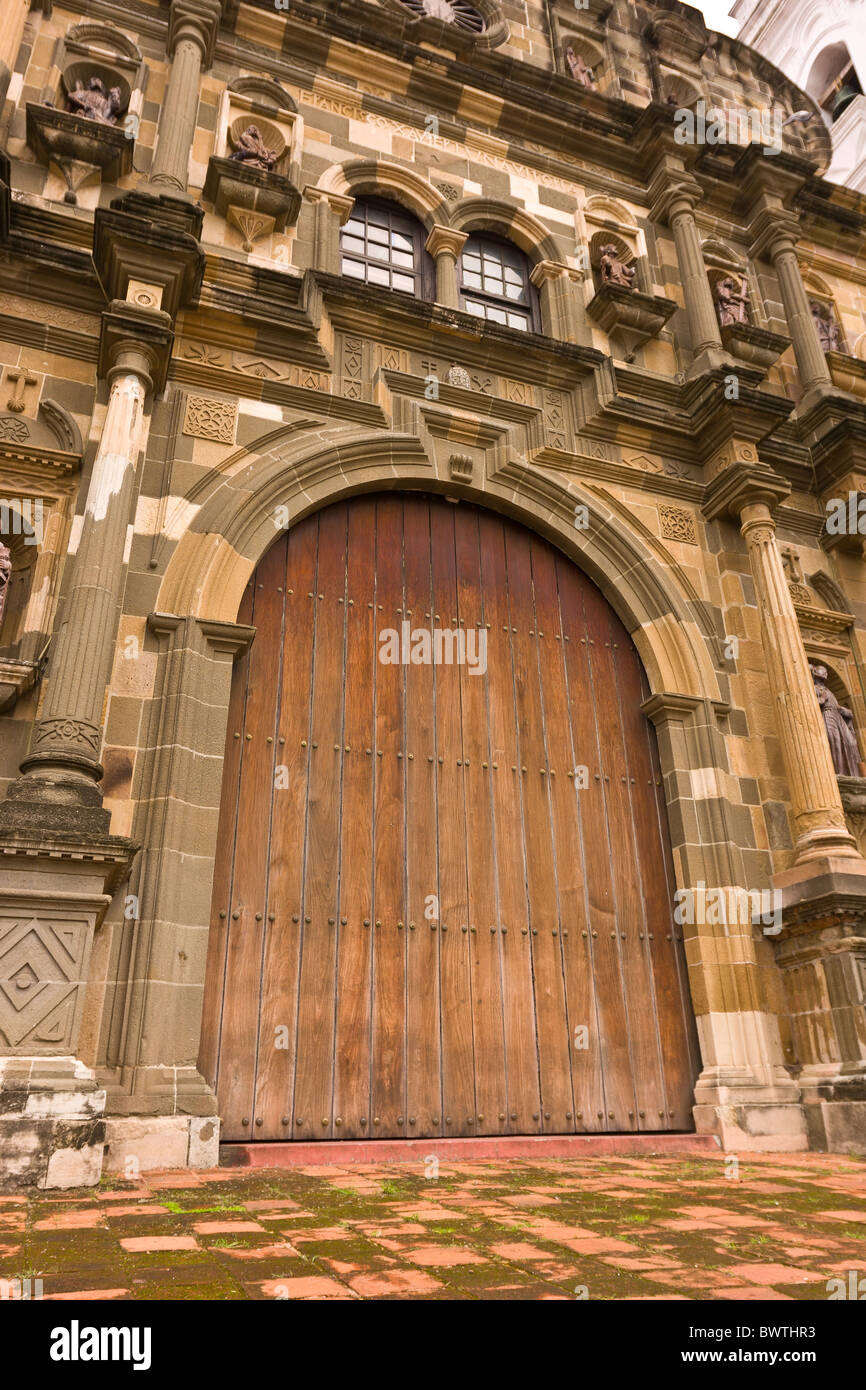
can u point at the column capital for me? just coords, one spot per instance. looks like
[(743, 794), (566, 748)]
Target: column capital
[(772, 231), (743, 485), (339, 203), (445, 241), (197, 21), (543, 271), (135, 339), (672, 190)]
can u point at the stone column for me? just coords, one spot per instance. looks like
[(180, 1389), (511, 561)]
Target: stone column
[(749, 494), (192, 30), (774, 234), (445, 245), (674, 194), (62, 767), (13, 17)]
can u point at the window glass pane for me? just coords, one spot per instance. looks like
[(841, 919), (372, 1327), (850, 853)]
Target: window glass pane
[(378, 275), (473, 307), (379, 253), (404, 258), (402, 242), (377, 234), (353, 243), (517, 320), (378, 217), (495, 314), (473, 281), (471, 262), (353, 268), (514, 291), (403, 282)]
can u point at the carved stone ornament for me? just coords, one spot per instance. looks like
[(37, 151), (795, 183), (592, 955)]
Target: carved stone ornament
[(732, 301), (839, 723), (94, 102), (613, 269), (828, 328), (252, 150)]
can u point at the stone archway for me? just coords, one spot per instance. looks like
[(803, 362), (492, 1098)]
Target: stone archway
[(224, 529)]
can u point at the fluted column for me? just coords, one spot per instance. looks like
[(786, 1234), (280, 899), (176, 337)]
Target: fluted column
[(674, 194), (192, 34), (775, 234), (444, 245), (62, 767), (13, 17), (816, 805)]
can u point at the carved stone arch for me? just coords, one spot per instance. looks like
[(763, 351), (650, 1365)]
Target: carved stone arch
[(264, 92), (237, 515), (96, 36), (830, 592), (385, 179), (511, 222)]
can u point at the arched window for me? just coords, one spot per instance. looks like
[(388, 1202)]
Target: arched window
[(383, 245), (495, 284)]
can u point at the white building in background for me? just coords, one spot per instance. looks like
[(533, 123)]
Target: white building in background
[(821, 46)]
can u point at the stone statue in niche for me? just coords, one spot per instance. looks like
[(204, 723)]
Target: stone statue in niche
[(614, 270), (732, 301), (94, 102), (251, 149), (828, 329), (579, 70), (5, 573), (839, 723)]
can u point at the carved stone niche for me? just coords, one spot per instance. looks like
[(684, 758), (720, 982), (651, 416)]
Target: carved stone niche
[(39, 460), (624, 311), (61, 130), (257, 195), (742, 337)]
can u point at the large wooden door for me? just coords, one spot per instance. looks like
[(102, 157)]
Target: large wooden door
[(442, 897)]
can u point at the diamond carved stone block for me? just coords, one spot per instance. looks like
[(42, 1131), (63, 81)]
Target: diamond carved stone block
[(43, 967)]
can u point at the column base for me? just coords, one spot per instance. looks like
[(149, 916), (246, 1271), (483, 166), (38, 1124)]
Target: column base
[(51, 1123), (748, 1117), (136, 1144)]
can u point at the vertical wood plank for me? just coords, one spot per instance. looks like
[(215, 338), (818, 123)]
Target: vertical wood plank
[(458, 1060), (277, 1031), (389, 908), (249, 884), (354, 981), (423, 1002)]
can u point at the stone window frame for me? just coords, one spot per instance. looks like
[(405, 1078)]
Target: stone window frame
[(422, 272)]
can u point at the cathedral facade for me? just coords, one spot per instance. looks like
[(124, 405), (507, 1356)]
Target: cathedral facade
[(432, 693)]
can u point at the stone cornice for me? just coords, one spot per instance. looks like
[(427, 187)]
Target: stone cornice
[(743, 485)]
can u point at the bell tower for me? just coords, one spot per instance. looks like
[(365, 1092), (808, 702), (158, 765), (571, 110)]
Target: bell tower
[(822, 48)]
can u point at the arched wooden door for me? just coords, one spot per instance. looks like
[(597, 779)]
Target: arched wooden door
[(443, 897)]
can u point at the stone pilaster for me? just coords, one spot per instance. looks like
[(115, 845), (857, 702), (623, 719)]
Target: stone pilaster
[(774, 234), (13, 17), (674, 195), (192, 32), (560, 315), (744, 1094), (330, 211), (750, 494), (444, 245)]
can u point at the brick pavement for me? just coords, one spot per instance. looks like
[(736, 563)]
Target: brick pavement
[(627, 1228)]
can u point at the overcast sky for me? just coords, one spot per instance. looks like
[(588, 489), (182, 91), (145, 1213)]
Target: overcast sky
[(715, 12)]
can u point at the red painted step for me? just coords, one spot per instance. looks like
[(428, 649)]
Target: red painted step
[(539, 1146)]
